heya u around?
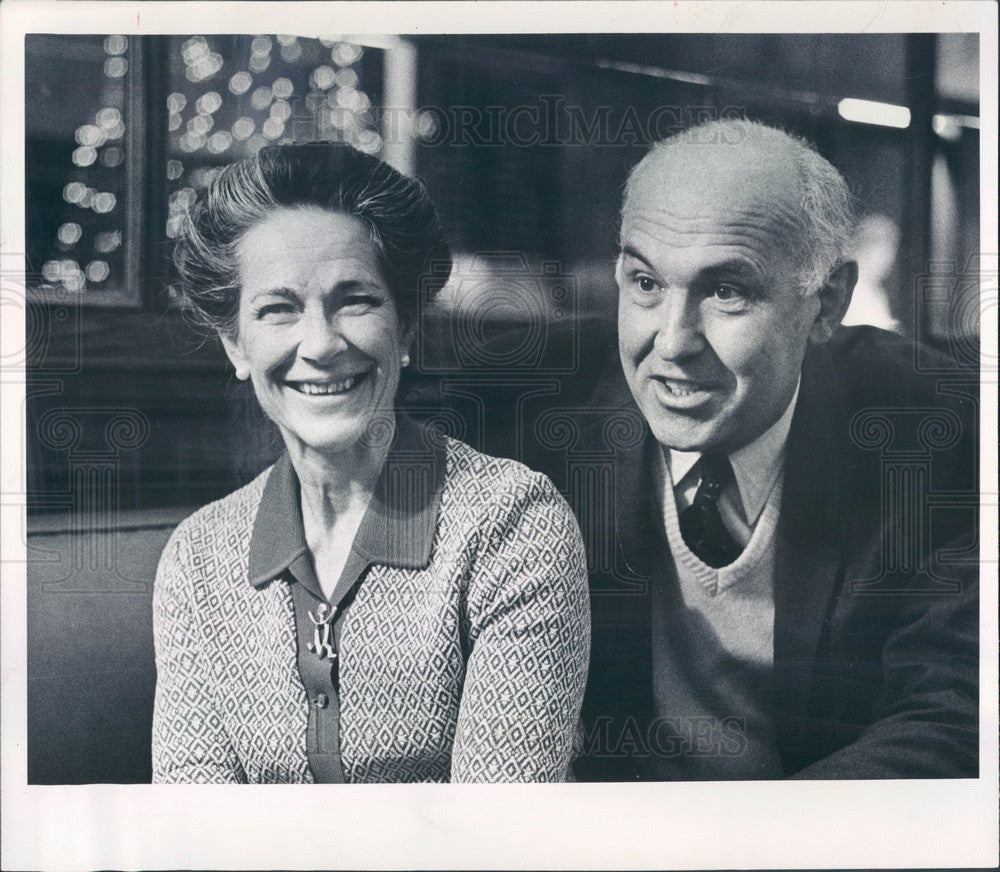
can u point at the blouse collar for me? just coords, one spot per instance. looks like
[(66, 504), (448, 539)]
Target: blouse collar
[(397, 528)]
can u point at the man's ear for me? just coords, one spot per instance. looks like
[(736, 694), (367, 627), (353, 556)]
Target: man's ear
[(619, 270), (235, 354), (834, 298)]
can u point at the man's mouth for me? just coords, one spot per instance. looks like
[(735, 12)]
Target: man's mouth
[(682, 387), (681, 390), (327, 388)]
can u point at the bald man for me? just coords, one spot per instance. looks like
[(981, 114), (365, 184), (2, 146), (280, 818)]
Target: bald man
[(782, 601)]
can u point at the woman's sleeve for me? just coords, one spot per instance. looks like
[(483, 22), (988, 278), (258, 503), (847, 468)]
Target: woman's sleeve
[(529, 631), (190, 744)]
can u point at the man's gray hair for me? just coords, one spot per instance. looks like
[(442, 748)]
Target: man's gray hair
[(826, 205)]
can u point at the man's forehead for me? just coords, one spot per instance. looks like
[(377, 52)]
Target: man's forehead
[(715, 195), (690, 179)]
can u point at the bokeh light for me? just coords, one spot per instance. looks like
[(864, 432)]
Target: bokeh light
[(219, 141), (112, 157), (115, 44), (200, 61), (51, 271), (282, 88), (74, 191), (281, 110), (243, 127), (97, 271), (84, 156), (272, 128), (291, 53), (192, 142), (255, 143), (240, 82), (69, 233), (367, 141), (261, 45), (104, 203), (108, 241), (108, 118), (346, 78), (259, 63), (176, 102), (90, 134), (343, 54), (208, 103), (115, 67), (261, 98), (323, 78), (200, 125)]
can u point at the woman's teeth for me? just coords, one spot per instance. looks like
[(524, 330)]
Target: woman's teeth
[(679, 392), (321, 389)]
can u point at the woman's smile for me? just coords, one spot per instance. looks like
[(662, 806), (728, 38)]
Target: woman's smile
[(328, 387)]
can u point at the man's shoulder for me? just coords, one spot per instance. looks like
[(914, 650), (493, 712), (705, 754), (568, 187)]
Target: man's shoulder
[(874, 367), (868, 392)]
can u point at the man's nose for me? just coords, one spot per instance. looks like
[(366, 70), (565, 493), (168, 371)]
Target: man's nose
[(680, 329), (322, 337)]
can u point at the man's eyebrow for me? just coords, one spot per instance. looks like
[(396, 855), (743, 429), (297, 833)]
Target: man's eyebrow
[(741, 270), (732, 267), (631, 252)]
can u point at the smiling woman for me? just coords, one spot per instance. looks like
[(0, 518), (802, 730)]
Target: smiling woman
[(318, 330), (384, 603)]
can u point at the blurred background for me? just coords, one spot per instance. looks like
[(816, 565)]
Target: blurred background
[(524, 143), (133, 417)]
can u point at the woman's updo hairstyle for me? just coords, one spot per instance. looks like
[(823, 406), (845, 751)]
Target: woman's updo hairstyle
[(404, 226)]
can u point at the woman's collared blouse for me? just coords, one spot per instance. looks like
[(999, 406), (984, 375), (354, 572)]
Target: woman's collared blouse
[(462, 655)]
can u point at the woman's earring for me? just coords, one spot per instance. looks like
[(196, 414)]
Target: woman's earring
[(242, 373), (406, 360)]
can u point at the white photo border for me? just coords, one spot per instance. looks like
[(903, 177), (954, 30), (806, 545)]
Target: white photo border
[(757, 825)]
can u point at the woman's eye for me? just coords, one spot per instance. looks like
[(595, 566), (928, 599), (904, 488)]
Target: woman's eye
[(275, 309), (367, 301)]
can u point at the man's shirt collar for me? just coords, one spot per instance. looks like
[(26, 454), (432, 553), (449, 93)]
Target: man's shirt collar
[(398, 526), (755, 466)]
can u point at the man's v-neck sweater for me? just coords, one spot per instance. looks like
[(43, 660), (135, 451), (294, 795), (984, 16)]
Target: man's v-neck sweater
[(713, 641)]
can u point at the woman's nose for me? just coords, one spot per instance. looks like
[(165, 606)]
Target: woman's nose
[(321, 336), (679, 334)]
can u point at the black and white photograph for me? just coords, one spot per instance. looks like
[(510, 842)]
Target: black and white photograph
[(581, 416)]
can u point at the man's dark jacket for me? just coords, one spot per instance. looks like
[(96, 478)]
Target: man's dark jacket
[(875, 593)]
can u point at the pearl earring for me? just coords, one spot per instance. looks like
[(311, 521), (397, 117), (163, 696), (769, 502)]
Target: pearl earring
[(242, 373), (406, 360)]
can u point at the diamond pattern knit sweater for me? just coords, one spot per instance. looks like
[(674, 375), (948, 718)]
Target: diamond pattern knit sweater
[(470, 669)]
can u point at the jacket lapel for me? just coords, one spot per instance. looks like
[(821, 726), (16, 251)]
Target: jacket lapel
[(812, 536), (618, 702)]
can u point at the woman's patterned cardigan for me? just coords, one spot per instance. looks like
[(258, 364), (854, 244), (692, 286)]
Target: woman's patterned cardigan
[(469, 668)]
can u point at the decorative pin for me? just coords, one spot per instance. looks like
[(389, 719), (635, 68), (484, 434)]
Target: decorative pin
[(322, 643)]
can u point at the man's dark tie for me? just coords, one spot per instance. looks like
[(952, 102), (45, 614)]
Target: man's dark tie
[(701, 524)]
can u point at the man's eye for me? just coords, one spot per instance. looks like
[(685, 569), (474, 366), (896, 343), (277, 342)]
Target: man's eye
[(644, 283), (729, 294)]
